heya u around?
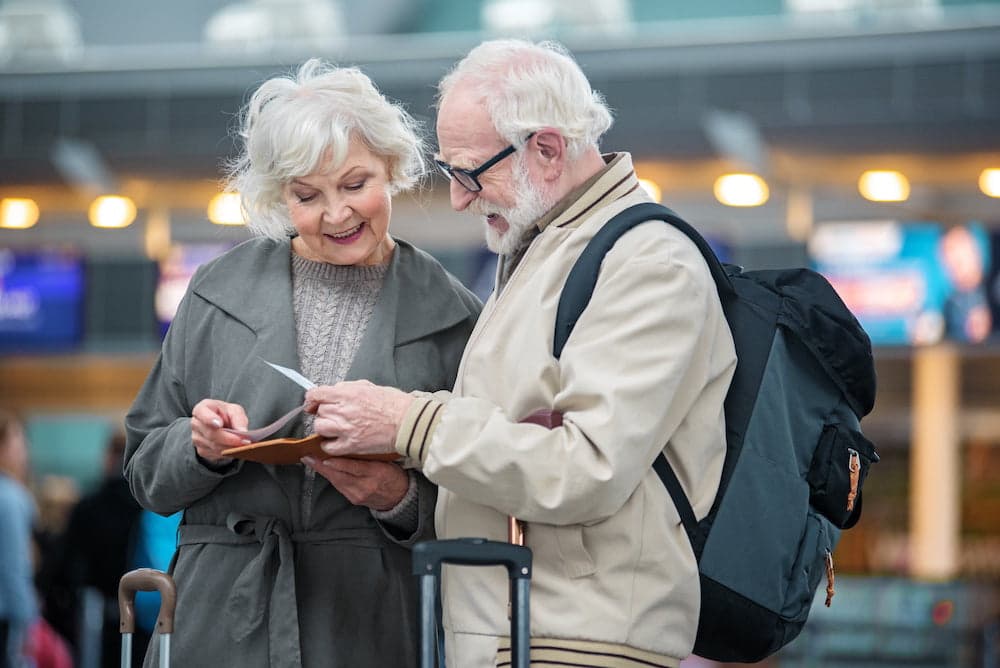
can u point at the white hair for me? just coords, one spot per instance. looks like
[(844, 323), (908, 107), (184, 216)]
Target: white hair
[(528, 86), (292, 123)]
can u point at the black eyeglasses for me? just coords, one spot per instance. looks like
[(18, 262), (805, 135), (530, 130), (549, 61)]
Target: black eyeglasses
[(468, 178)]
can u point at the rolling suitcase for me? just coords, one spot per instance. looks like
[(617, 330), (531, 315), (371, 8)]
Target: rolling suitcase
[(146, 579), (427, 560)]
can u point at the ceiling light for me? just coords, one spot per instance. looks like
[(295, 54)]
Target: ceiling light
[(225, 209), (741, 190), (18, 213), (111, 211), (989, 181), (884, 186)]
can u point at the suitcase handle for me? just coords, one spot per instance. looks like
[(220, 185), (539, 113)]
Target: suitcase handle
[(427, 559), (147, 579), (428, 556)]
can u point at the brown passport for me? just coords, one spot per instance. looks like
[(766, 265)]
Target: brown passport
[(291, 450)]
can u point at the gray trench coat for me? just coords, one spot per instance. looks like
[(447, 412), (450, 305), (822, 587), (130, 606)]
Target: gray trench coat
[(256, 586)]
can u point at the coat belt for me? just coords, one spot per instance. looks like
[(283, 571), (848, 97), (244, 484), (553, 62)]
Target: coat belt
[(253, 593)]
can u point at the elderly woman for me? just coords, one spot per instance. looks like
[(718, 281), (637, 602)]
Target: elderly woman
[(278, 566)]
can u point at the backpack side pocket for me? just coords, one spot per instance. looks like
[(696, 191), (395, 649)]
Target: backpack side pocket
[(838, 469)]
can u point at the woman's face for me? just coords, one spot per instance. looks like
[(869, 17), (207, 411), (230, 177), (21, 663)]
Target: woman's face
[(342, 215)]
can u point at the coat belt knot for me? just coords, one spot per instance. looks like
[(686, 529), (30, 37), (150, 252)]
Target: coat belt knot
[(266, 583)]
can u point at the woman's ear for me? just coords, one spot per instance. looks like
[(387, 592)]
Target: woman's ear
[(550, 153)]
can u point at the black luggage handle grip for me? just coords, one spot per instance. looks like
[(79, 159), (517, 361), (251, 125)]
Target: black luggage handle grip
[(428, 556), (146, 579)]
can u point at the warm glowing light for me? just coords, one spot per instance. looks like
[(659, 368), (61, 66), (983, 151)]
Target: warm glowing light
[(652, 189), (18, 213), (989, 181), (225, 209), (111, 211), (884, 186), (741, 190)]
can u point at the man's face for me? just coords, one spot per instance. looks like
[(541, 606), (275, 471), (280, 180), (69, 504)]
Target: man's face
[(509, 201), (530, 204)]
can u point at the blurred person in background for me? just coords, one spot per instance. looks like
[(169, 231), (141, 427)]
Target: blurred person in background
[(88, 561), (18, 604), (277, 566), (966, 308)]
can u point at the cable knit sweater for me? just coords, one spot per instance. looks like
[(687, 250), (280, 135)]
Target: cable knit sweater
[(333, 305)]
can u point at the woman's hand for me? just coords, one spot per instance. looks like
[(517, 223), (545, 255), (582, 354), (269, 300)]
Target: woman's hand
[(373, 484), (207, 421)]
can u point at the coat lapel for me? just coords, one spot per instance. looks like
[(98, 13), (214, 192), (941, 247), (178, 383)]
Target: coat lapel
[(373, 359), (262, 301), (417, 300)]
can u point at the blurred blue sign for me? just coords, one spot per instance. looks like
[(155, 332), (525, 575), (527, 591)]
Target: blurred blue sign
[(41, 301)]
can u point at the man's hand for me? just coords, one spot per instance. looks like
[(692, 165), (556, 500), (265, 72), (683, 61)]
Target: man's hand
[(207, 421), (376, 485), (357, 417)]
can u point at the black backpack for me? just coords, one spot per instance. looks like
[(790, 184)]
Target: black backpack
[(795, 458)]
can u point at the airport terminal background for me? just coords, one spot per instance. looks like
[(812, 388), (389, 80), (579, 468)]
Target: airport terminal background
[(858, 137)]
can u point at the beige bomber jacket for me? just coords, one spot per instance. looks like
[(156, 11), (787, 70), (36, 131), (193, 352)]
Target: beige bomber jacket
[(646, 369)]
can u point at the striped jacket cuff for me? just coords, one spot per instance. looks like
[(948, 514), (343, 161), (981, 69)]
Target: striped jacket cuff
[(417, 428)]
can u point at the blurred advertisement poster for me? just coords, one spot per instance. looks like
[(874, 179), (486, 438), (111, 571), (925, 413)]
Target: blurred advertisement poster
[(909, 283), (176, 271)]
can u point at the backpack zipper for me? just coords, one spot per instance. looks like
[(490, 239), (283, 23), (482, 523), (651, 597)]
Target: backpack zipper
[(854, 466)]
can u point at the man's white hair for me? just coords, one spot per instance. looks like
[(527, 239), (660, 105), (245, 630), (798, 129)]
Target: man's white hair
[(292, 123), (527, 86)]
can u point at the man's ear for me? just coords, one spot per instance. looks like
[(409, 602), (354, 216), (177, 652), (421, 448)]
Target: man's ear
[(549, 154)]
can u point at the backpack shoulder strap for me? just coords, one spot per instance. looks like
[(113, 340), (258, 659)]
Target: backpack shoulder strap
[(582, 277), (580, 285)]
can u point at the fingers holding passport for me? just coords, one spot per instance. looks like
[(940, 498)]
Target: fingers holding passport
[(209, 418)]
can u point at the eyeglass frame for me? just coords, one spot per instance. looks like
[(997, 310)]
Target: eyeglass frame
[(473, 174)]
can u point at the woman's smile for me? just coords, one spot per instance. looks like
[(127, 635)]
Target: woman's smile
[(347, 236)]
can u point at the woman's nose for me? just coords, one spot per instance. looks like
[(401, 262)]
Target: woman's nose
[(337, 212)]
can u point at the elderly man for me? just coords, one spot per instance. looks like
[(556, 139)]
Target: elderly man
[(645, 370)]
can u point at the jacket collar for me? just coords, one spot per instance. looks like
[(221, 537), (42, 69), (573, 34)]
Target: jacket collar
[(616, 180)]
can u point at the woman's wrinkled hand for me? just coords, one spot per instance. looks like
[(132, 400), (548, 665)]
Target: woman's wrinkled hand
[(208, 419), (373, 484)]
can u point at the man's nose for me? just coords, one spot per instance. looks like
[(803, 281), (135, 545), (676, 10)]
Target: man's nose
[(461, 197)]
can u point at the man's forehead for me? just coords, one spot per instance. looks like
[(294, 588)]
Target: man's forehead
[(464, 124)]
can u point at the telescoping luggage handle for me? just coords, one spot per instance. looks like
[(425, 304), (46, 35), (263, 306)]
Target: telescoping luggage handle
[(427, 560), (146, 579)]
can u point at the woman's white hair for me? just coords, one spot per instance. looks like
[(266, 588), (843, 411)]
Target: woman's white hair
[(292, 123), (528, 86)]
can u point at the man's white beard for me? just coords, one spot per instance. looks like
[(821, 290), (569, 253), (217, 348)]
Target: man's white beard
[(531, 204)]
